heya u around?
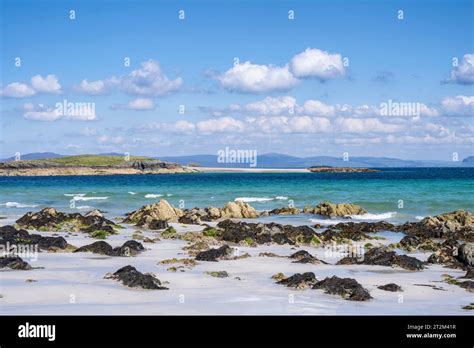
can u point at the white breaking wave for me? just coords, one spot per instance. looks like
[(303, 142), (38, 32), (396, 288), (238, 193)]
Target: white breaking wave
[(84, 207), (259, 199), (132, 193), (169, 194), (152, 195), (74, 194), (369, 216), (419, 217), (327, 222), (18, 205), (80, 198)]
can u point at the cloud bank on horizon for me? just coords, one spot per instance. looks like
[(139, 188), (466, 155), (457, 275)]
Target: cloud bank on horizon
[(317, 83)]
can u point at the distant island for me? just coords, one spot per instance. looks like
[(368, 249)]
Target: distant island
[(329, 169), (90, 165)]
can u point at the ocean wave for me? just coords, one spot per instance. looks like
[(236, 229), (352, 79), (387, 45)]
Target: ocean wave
[(84, 207), (131, 193), (327, 222), (369, 216), (18, 205), (80, 198), (74, 194), (259, 199), (152, 195)]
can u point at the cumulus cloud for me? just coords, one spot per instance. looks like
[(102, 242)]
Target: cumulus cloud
[(366, 125), (464, 73), (38, 84), (315, 63), (73, 112), (219, 125), (269, 106), (253, 78), (149, 80), (458, 106), (48, 84), (316, 107), (139, 104)]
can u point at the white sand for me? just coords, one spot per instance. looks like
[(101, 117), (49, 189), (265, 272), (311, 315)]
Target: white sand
[(81, 276)]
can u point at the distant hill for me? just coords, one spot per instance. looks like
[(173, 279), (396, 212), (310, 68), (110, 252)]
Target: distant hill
[(276, 160), (35, 156)]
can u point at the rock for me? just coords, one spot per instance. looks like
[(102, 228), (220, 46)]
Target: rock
[(169, 233), (299, 281), (158, 211), (285, 211), (219, 274), (465, 254), (279, 276), (261, 233), (95, 212), (446, 255), (214, 254), (457, 225), (347, 288), (129, 248), (14, 262), (129, 276), (333, 210), (468, 285), (238, 210), (49, 219), (303, 256), (390, 287), (11, 237), (469, 273), (418, 243), (382, 256)]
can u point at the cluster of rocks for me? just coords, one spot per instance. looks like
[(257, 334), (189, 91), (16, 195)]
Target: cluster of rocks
[(333, 210), (129, 248), (222, 253), (14, 262), (457, 225), (11, 238), (158, 214), (131, 277), (49, 219), (383, 256), (453, 254), (347, 288)]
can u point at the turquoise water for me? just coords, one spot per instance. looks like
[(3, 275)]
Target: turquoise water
[(424, 191)]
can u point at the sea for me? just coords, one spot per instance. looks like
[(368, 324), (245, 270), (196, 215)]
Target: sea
[(392, 194)]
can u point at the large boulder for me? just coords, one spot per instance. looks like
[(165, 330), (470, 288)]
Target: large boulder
[(129, 248), (10, 237), (157, 211), (347, 288), (238, 210), (333, 210), (131, 277), (299, 281), (465, 254), (14, 262)]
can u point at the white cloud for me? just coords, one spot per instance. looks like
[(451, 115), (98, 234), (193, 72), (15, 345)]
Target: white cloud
[(316, 63), (17, 90), (40, 112), (295, 124), (458, 106), (39, 84), (98, 87), (366, 125), (464, 73), (218, 125), (253, 78), (48, 84), (149, 80), (139, 104), (316, 107), (270, 106)]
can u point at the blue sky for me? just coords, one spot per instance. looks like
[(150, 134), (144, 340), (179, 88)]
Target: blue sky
[(313, 85)]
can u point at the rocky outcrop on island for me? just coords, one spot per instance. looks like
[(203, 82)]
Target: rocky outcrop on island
[(131, 277), (163, 211), (285, 211), (49, 219), (329, 169), (59, 167), (129, 248), (382, 256), (347, 288), (12, 238), (14, 262), (333, 210), (457, 225)]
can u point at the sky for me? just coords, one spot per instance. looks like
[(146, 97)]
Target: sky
[(304, 78)]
